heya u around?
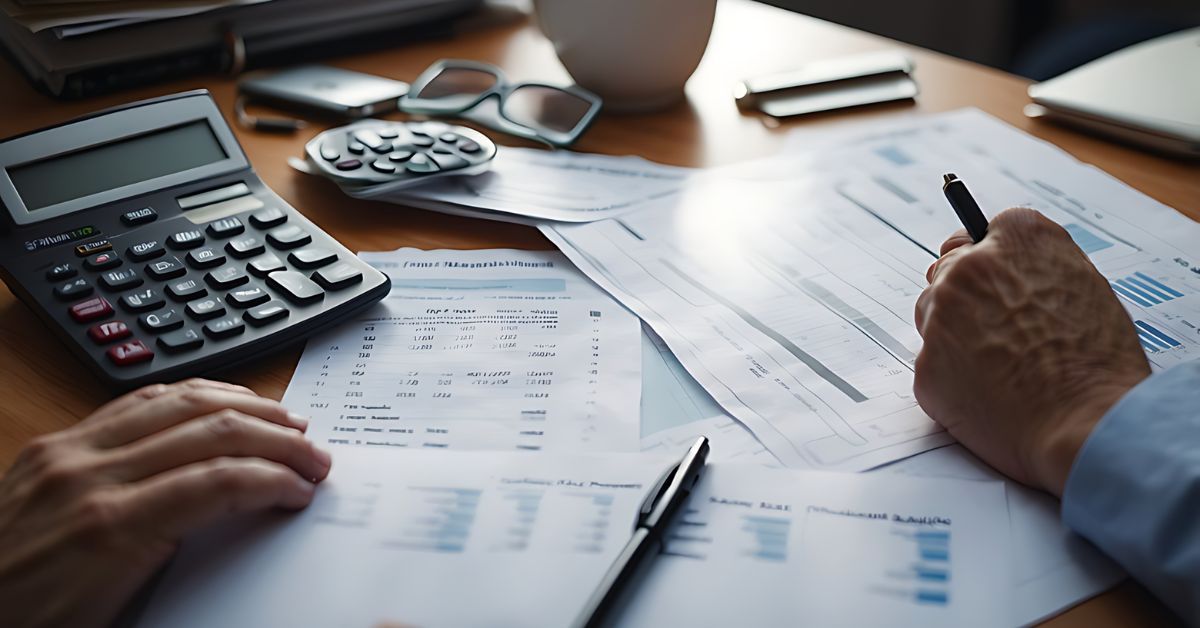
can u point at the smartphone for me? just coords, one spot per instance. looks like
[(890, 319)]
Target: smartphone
[(828, 85), (325, 90)]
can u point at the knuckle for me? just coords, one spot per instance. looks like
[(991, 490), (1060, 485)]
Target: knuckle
[(151, 391), (41, 450), (99, 514), (226, 424)]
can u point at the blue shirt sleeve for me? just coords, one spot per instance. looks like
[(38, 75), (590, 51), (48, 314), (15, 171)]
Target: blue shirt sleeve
[(1134, 489)]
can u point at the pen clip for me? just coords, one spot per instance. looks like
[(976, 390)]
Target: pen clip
[(653, 507), (656, 494)]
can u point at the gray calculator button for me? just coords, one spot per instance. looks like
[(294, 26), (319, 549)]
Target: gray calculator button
[(296, 287), (356, 148), (226, 277), (242, 248), (158, 322), (470, 147), (368, 138), (206, 257), (264, 314), (73, 289), (401, 156), (449, 138), (338, 276), (187, 289), (225, 227), (389, 133), (312, 257), (122, 279), (420, 163), (329, 152), (224, 327), (247, 297), (380, 165), (442, 150), (265, 265), (166, 268), (449, 162), (61, 271), (206, 308), (288, 237), (267, 218), (348, 164), (424, 141), (143, 300), (182, 340), (189, 239)]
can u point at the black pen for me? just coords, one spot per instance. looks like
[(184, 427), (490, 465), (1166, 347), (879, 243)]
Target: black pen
[(965, 206), (657, 511)]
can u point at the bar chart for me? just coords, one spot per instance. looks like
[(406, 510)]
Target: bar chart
[(1154, 339), (1144, 290)]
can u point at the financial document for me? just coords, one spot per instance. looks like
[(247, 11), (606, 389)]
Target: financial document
[(775, 547), (419, 538), (1052, 568), (786, 286), (488, 349)]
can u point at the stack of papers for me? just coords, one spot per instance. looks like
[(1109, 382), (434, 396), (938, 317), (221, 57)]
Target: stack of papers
[(74, 18), (775, 301)]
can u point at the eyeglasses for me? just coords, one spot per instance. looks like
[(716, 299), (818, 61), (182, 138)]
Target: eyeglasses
[(479, 92)]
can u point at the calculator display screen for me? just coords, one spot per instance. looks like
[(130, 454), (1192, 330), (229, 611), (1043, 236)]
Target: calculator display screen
[(66, 177)]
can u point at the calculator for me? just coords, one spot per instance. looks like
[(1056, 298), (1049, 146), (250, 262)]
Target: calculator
[(143, 237)]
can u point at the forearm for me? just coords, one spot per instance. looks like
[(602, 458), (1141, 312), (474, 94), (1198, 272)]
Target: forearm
[(1134, 489)]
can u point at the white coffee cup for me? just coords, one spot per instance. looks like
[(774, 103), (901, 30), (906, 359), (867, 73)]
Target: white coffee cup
[(635, 54)]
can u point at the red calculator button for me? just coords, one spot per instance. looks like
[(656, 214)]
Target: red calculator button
[(105, 333), (130, 352), (91, 309)]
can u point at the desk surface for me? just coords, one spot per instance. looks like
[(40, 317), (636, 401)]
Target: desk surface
[(706, 130)]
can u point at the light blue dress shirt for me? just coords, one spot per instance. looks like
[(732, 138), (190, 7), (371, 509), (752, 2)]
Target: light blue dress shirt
[(1134, 489)]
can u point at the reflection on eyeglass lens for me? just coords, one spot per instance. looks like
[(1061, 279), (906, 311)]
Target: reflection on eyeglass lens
[(542, 107), (458, 82)]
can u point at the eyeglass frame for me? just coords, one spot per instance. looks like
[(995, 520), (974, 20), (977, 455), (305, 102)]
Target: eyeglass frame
[(499, 91)]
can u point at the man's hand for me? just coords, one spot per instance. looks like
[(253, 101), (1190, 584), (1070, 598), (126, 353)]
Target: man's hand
[(1026, 347), (88, 514)]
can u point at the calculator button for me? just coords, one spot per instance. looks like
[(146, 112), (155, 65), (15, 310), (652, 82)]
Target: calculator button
[(225, 227), (388, 133), (206, 257), (247, 297), (329, 152), (288, 237), (338, 276), (268, 218), (182, 340), (187, 289), (296, 287), (121, 279), (143, 251), (139, 216), (210, 197), (164, 269), (224, 327), (355, 148), (91, 310), (348, 164), (60, 271), (380, 165), (312, 257), (241, 248), (470, 147), (91, 248), (442, 150), (448, 138), (226, 277), (265, 265), (420, 163), (143, 300), (422, 140), (111, 331), (158, 322), (204, 309), (264, 314), (449, 162), (401, 156), (73, 289), (128, 353), (100, 261), (189, 239)]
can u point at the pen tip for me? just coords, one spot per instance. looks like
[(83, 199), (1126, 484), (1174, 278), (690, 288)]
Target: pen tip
[(948, 177)]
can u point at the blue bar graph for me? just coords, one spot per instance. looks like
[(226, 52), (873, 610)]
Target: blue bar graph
[(1151, 335), (1145, 290), (1088, 241), (770, 535), (932, 597)]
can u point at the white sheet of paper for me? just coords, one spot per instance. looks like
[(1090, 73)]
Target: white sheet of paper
[(1052, 568), (487, 349), (536, 185), (777, 547), (418, 538)]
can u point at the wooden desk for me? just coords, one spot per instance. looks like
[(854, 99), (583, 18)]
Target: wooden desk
[(45, 389)]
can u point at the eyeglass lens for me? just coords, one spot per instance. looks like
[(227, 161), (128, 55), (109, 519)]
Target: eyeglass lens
[(452, 82), (541, 107)]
